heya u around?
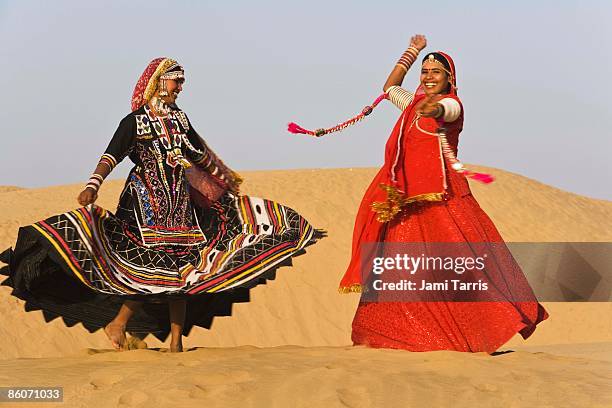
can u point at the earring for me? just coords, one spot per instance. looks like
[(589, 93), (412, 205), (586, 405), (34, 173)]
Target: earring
[(162, 88)]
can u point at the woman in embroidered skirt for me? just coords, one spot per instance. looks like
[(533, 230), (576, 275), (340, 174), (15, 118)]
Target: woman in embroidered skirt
[(420, 200), (182, 235)]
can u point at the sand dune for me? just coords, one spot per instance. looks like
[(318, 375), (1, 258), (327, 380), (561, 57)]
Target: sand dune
[(319, 377), (565, 363)]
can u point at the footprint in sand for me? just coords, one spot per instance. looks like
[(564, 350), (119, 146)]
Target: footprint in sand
[(134, 343), (486, 387), (190, 363), (354, 397), (200, 391), (106, 380), (232, 377), (133, 398)]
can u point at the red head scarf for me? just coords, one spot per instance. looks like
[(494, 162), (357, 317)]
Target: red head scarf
[(147, 83)]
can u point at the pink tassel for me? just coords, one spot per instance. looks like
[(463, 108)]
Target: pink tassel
[(295, 128), (482, 177)]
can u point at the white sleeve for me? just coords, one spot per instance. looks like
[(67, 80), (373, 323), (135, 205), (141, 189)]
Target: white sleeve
[(399, 96), (452, 109)]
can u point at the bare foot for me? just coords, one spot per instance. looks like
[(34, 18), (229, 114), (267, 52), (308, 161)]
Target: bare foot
[(176, 346), (116, 334)]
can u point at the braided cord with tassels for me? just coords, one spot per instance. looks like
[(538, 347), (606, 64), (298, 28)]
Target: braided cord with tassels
[(441, 134), (295, 128)]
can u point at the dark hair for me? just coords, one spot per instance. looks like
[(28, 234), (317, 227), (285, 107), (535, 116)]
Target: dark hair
[(440, 58)]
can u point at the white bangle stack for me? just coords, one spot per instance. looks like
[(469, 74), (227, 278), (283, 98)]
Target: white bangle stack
[(95, 181)]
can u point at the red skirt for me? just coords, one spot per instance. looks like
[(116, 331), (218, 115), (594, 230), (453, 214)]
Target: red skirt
[(459, 326)]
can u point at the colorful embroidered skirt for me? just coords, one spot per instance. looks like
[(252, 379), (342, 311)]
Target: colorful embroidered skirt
[(83, 264)]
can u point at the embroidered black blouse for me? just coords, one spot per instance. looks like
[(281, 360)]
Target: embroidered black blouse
[(156, 195)]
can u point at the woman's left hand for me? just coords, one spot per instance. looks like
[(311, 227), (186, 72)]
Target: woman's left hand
[(431, 108)]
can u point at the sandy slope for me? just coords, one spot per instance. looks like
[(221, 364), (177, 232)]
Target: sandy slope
[(573, 349)]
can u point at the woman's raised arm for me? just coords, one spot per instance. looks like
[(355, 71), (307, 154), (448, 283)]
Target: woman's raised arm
[(396, 77)]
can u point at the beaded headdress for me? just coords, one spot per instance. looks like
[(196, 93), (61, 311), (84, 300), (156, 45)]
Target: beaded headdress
[(158, 69)]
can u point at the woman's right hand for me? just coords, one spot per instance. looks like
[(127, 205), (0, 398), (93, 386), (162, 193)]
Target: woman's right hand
[(418, 41), (87, 196)]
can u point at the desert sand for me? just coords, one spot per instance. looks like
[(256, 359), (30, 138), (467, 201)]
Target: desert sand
[(290, 345)]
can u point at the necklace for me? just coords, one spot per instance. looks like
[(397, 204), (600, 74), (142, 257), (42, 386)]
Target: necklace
[(159, 106)]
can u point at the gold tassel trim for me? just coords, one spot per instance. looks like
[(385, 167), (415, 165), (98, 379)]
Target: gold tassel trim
[(387, 210), (354, 288), (237, 178)]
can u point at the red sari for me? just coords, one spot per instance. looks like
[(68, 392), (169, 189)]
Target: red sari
[(424, 200)]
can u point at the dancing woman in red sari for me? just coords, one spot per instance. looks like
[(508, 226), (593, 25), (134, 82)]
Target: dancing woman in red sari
[(421, 195)]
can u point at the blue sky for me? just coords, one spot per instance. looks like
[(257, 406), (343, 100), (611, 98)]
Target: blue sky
[(533, 77)]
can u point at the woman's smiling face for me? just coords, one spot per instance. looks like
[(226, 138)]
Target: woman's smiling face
[(173, 87), (433, 78)]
